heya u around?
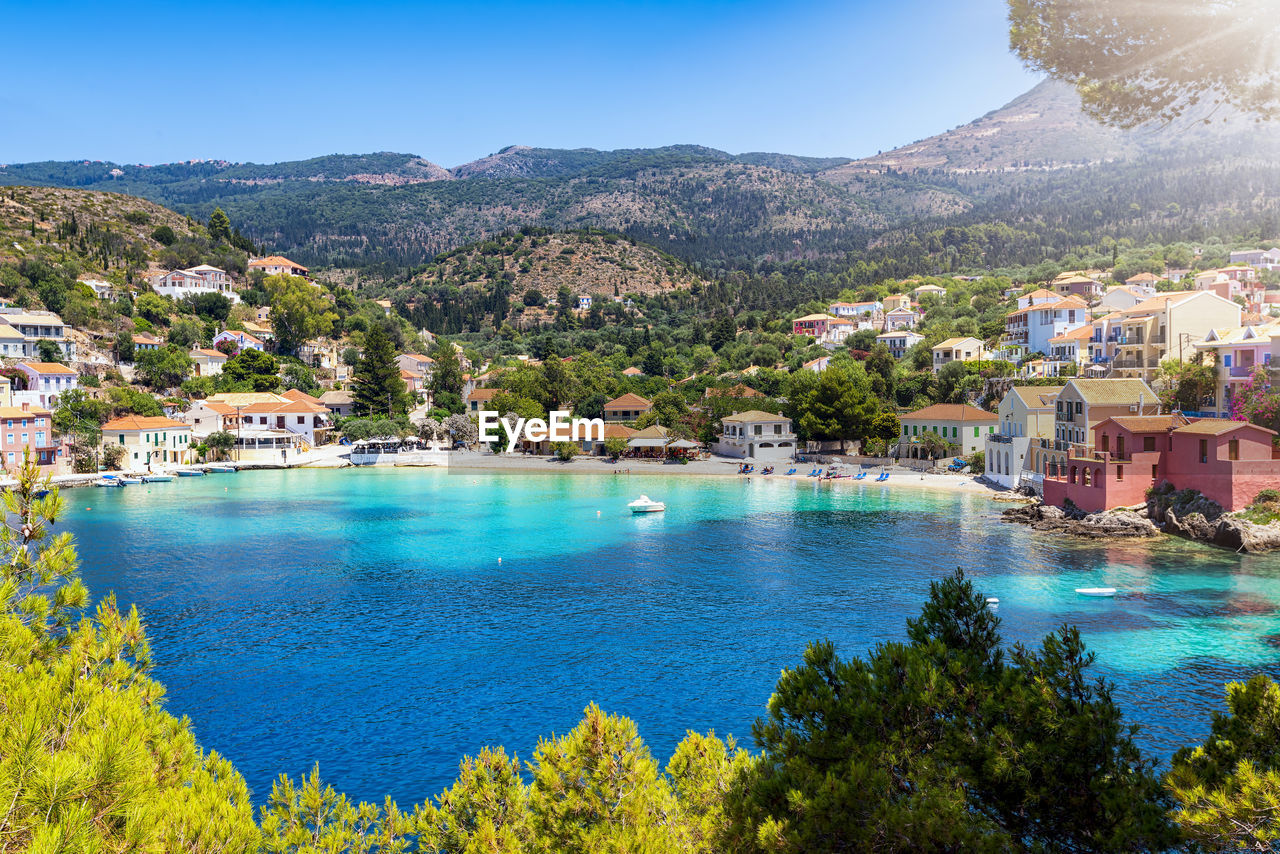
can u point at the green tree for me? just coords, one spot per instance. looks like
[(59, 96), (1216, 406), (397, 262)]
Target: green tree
[(186, 332), (1185, 385), (299, 311), (48, 351), (598, 789), (615, 447), (944, 743), (840, 406), (130, 401), (486, 811), (215, 307), (299, 376), (219, 227), (164, 367), (153, 308), (220, 442), (951, 378), (313, 818), (255, 368), (92, 762), (1154, 63), (1228, 789), (164, 236), (446, 373), (379, 390)]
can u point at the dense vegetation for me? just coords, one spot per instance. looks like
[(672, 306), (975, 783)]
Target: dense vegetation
[(947, 741)]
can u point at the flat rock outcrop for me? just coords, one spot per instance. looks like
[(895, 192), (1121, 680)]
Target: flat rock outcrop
[(1111, 525)]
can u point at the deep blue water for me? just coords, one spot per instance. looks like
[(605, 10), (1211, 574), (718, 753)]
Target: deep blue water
[(385, 622)]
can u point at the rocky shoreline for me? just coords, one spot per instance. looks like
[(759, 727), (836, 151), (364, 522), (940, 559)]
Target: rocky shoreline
[(1207, 524)]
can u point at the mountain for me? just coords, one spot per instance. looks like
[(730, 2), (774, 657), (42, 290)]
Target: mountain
[(1037, 163), (400, 209)]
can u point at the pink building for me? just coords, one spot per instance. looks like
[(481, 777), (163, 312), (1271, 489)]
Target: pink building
[(25, 428), (1229, 462), (812, 324)]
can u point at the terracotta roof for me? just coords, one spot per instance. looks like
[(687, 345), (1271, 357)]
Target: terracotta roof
[(1160, 301), (628, 401), (145, 339), (409, 375), (825, 317), (614, 430), (1148, 423), (297, 394), (337, 397), (212, 354), (738, 390), (220, 408), (282, 406), (753, 416), (138, 422), (961, 412), (418, 357), (483, 393), (240, 334), (1113, 392), (632, 372), (1080, 333), (47, 368), (1218, 426), (275, 261)]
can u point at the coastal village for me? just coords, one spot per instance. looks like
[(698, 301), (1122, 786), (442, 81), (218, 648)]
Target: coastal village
[(1073, 401)]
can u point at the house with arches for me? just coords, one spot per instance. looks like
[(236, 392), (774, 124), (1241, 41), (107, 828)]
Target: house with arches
[(757, 435), (1229, 462), (1025, 413)]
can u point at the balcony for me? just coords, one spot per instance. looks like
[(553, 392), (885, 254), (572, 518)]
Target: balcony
[(1239, 371), (1000, 439)]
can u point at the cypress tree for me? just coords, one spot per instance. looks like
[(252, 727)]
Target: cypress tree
[(378, 387)]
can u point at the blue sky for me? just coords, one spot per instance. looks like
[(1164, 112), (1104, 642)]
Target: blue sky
[(270, 81)]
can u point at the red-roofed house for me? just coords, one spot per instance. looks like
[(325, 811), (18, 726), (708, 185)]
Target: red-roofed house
[(276, 265), (149, 441), (242, 340), (629, 407), (28, 428)]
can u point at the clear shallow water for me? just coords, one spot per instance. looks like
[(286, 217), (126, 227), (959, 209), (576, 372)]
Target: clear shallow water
[(361, 618)]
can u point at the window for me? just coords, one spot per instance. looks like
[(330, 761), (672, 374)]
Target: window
[(1155, 471), (1204, 450), (975, 432), (1079, 407), (1148, 443), (1233, 449), (1119, 472), (25, 438), (121, 438)]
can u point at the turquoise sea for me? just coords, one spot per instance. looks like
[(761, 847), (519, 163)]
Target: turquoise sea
[(384, 622)]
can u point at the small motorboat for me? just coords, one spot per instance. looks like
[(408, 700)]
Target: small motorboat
[(993, 602), (157, 478), (645, 504), (108, 480), (1096, 591), (130, 481), (220, 469), (190, 473)]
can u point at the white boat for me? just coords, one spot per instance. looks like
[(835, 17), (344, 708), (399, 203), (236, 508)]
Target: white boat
[(131, 480), (108, 481), (1096, 591), (644, 504), (157, 478), (993, 602), (220, 469)]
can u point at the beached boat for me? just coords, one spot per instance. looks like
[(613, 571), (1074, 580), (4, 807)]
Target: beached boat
[(645, 504), (157, 478), (1096, 591), (190, 473)]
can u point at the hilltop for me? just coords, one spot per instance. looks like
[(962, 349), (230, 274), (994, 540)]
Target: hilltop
[(99, 231), (587, 264)]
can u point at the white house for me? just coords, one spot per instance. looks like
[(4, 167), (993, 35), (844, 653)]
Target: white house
[(762, 436), (100, 288), (208, 416), (817, 365), (242, 340), (417, 363), (900, 341), (35, 326), (584, 303), (46, 381), (1026, 413), (149, 441), (901, 318), (267, 413), (871, 311), (194, 281), (1030, 327), (275, 265), (208, 363), (964, 349)]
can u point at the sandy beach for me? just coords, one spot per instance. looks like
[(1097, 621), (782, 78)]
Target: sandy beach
[(899, 478)]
